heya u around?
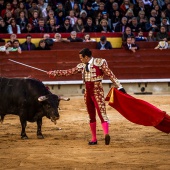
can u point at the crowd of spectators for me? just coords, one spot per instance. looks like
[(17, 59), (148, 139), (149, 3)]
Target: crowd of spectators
[(130, 17), (51, 16)]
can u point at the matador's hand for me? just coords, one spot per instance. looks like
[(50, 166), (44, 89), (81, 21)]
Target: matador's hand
[(51, 74)]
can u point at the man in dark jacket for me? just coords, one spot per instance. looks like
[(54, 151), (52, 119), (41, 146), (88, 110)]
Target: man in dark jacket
[(28, 45), (104, 44)]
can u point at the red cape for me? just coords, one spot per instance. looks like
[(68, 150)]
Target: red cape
[(138, 111)]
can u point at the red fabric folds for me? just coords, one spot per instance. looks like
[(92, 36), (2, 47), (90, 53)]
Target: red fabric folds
[(138, 111)]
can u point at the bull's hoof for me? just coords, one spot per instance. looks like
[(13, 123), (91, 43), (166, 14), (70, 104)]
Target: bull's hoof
[(40, 136), (24, 137)]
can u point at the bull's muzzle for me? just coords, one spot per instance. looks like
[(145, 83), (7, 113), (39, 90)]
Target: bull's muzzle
[(53, 119)]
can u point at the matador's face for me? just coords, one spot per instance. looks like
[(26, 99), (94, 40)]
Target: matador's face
[(83, 59)]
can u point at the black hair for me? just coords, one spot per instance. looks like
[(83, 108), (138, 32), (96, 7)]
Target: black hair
[(85, 52)]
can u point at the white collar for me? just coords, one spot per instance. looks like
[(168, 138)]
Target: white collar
[(90, 61)]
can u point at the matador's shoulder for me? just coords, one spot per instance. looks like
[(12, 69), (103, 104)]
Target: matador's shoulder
[(80, 65), (99, 61)]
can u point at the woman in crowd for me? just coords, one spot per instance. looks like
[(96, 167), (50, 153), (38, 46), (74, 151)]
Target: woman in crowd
[(13, 27), (78, 26)]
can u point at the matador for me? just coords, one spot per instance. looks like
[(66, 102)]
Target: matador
[(93, 70)]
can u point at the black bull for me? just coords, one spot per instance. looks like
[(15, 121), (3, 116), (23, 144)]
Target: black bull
[(30, 100)]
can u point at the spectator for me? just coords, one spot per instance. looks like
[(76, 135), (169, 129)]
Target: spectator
[(33, 20), (103, 27), (78, 26), (52, 26), (50, 16), (126, 34), (165, 23), (13, 37), (69, 6), (41, 27), (125, 6), (2, 6), (162, 45), (73, 37), (28, 29), (98, 18), (129, 15), (104, 44), (21, 8), (83, 16), (3, 27), (8, 17), (6, 48), (140, 36), (8, 7), (42, 5), (116, 19), (76, 9), (59, 9), (142, 19), (151, 25), (90, 27), (162, 35), (121, 26), (130, 45), (28, 45), (49, 41), (112, 12), (16, 46), (87, 38), (65, 27), (43, 46), (90, 11), (95, 5), (108, 5), (83, 5), (22, 21), (60, 18), (135, 27), (154, 14), (167, 11), (58, 38), (72, 18), (105, 16), (13, 27), (151, 37), (34, 8)]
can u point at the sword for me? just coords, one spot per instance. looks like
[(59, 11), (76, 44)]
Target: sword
[(27, 65)]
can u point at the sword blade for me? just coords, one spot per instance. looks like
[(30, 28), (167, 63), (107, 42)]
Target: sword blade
[(27, 65)]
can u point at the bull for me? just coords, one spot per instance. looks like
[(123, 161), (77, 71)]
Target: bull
[(30, 100)]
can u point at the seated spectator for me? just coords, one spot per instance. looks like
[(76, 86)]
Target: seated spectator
[(58, 38), (73, 37), (43, 46), (52, 26), (83, 16), (165, 23), (72, 17), (33, 20), (104, 44), (21, 7), (151, 36), (130, 45), (135, 27), (116, 18), (151, 25), (105, 16), (13, 27), (41, 27), (162, 45), (28, 29), (3, 26), (16, 46), (90, 27), (121, 26), (6, 48), (33, 8), (78, 26), (140, 37), (13, 37), (162, 35), (87, 38), (22, 21), (103, 27), (49, 41), (65, 27), (126, 34), (28, 45), (142, 19)]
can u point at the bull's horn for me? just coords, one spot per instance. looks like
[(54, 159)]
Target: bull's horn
[(42, 98), (64, 98)]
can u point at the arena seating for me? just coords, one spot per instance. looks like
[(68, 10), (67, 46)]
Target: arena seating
[(144, 64)]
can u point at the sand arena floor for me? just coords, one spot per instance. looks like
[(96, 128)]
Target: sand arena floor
[(132, 147)]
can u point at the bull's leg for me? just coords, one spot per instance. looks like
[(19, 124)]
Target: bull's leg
[(23, 133), (39, 133)]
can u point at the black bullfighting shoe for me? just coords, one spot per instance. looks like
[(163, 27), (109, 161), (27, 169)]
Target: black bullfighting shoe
[(107, 139), (93, 143)]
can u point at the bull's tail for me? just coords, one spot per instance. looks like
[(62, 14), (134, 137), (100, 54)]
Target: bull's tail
[(2, 118)]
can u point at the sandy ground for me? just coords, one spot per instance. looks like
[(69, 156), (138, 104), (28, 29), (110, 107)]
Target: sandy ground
[(132, 147)]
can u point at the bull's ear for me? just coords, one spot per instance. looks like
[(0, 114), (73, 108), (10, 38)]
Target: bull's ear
[(42, 98)]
